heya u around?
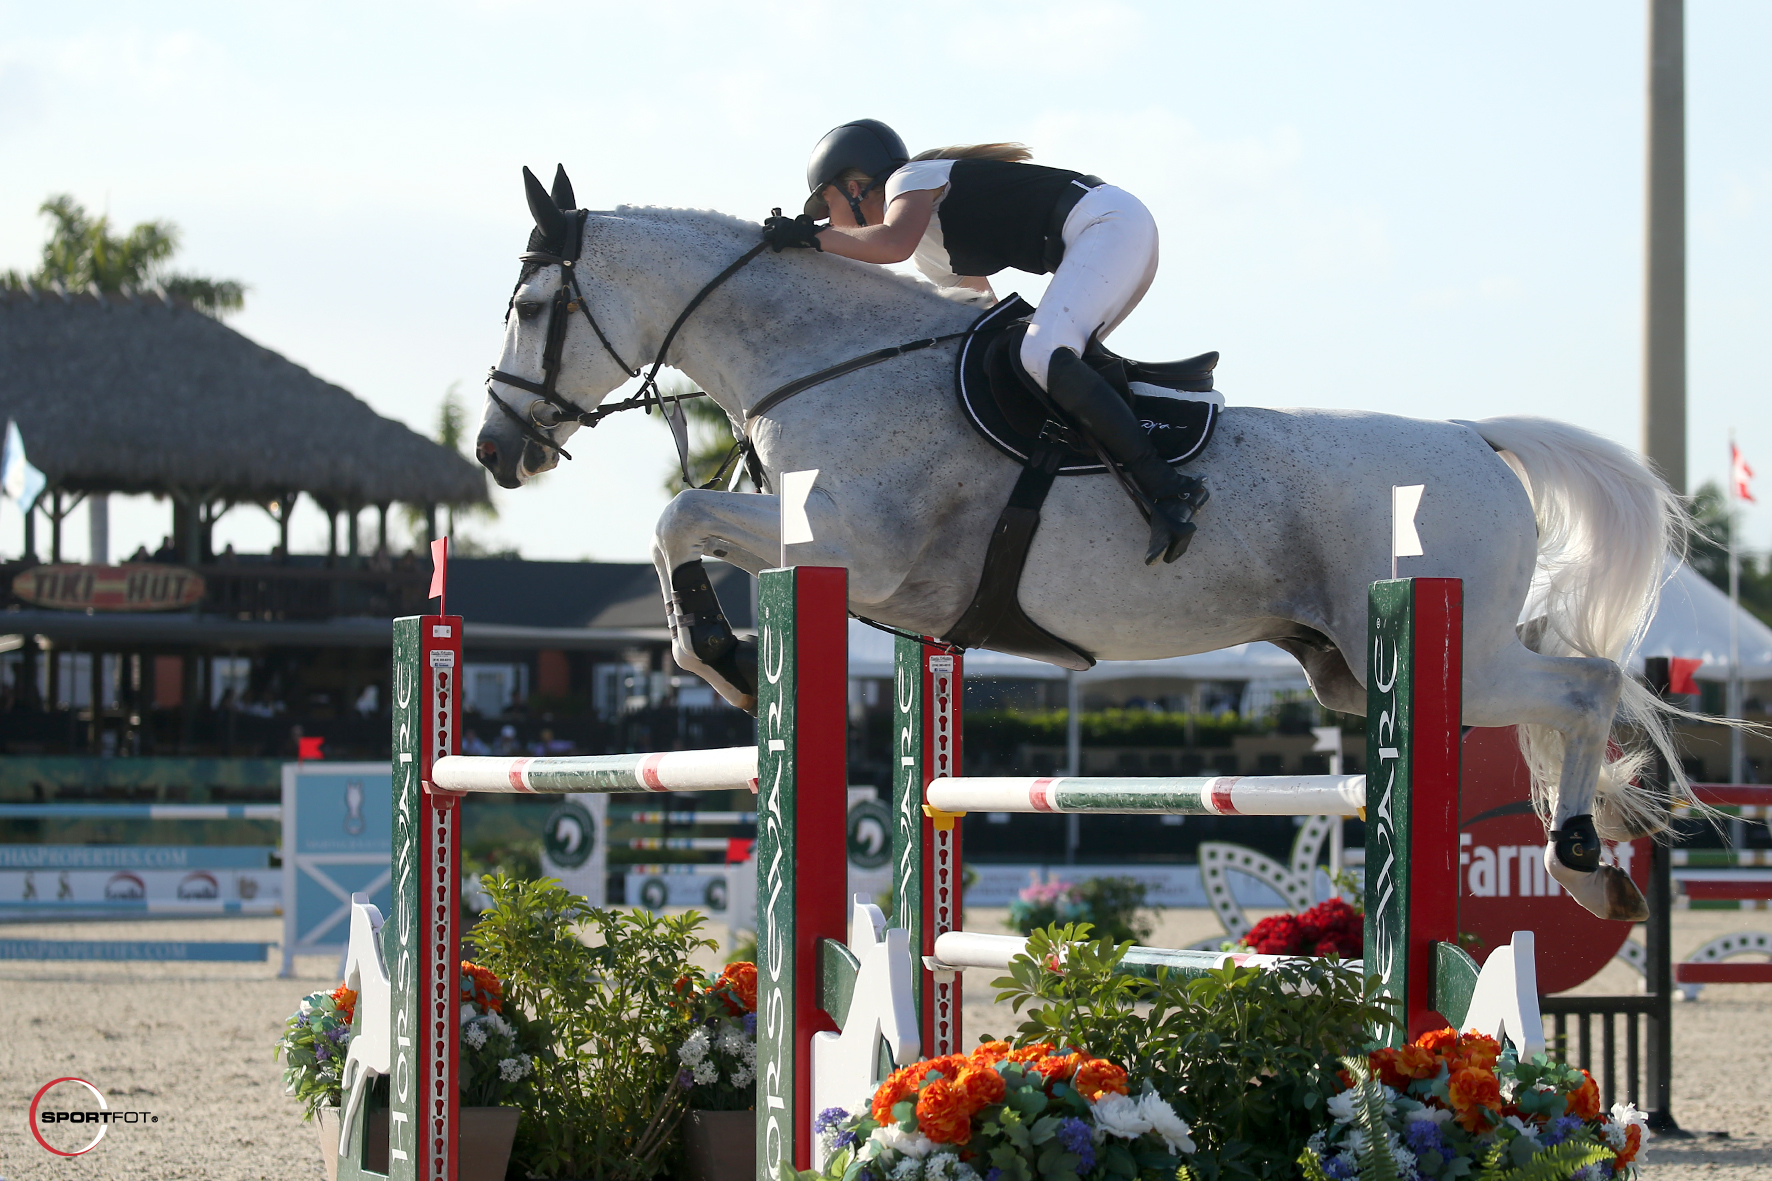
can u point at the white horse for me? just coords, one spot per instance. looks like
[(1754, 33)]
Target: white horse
[(1298, 526)]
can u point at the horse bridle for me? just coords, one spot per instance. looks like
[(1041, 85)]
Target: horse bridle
[(568, 298)]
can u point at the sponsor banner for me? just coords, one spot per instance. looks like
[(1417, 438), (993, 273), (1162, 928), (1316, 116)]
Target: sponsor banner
[(54, 890), (1176, 887), (139, 586)]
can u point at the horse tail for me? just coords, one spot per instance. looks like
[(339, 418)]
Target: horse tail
[(1606, 525)]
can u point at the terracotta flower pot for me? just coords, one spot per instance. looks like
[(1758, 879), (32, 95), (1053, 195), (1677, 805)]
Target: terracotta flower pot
[(484, 1141), (719, 1145), (326, 1123)]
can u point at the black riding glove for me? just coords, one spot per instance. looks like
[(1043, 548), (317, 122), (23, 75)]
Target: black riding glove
[(784, 232)]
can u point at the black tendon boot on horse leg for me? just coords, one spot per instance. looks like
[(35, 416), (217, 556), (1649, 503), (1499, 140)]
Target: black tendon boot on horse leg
[(697, 612), (1098, 408)]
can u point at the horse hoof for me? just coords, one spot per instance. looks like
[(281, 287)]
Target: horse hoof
[(1606, 891)]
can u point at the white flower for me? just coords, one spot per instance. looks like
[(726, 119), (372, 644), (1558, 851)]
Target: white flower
[(512, 1069), (732, 1041), (907, 1169), (965, 1172), (1404, 1158), (705, 1073), (468, 1012), (474, 1034), (498, 1025), (939, 1166), (1318, 1139), (1165, 1123), (1355, 1142), (1343, 1106), (694, 1048), (909, 1143), (1116, 1115), (743, 1076), (1529, 1131), (1438, 1115)]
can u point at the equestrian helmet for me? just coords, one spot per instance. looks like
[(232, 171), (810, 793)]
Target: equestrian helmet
[(867, 144)]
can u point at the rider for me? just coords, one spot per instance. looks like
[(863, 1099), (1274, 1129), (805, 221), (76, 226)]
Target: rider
[(963, 213)]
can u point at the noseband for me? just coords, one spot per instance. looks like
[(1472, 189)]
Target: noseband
[(567, 299)]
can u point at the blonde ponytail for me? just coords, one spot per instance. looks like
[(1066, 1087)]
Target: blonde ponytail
[(1012, 152)]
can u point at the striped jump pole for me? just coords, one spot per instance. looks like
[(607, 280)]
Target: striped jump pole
[(971, 949), (721, 769), (1409, 800), (799, 770), (1224, 795)]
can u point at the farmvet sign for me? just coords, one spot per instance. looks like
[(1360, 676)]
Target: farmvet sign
[(143, 586)]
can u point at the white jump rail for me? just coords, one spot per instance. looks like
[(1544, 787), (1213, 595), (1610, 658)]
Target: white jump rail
[(1223, 795), (719, 769), (959, 951)]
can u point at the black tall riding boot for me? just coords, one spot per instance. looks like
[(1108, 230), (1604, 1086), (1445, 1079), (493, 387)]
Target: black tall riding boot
[(1098, 408)]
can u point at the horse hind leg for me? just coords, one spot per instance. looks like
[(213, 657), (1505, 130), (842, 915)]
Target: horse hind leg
[(1572, 699), (1331, 680)]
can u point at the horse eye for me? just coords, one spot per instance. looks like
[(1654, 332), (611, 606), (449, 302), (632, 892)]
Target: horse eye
[(528, 309)]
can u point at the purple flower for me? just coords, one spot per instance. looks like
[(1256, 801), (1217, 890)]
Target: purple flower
[(1424, 1136), (1559, 1130), (993, 1174), (685, 1079), (301, 1019), (750, 1024), (828, 1119), (1339, 1168), (1077, 1138), (322, 1051), (339, 1033)]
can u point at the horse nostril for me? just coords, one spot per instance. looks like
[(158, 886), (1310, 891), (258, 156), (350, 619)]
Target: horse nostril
[(486, 451)]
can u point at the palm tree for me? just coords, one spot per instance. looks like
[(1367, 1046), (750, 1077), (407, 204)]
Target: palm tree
[(82, 251), (710, 438)]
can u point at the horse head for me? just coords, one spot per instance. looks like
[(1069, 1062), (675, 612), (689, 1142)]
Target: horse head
[(545, 378)]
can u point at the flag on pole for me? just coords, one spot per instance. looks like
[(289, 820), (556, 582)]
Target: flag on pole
[(796, 527), (439, 571), (1405, 499), (18, 479), (1680, 672), (1739, 475), (310, 748)]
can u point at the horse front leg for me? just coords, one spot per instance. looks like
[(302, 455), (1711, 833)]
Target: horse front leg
[(740, 528), (1572, 699)]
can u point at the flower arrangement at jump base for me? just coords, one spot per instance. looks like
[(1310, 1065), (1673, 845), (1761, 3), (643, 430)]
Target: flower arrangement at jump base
[(1331, 928), (498, 1049), (315, 1039), (1110, 905), (719, 1057), (1006, 1114), (1458, 1106)]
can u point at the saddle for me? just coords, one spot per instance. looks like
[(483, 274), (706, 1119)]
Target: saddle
[(1175, 401)]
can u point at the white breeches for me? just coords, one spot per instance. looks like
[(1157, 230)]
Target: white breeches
[(1110, 258)]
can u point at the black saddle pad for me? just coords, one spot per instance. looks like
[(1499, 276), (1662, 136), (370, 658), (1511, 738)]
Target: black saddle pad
[(1007, 410)]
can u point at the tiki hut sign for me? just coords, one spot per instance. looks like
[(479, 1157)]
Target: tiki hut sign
[(139, 586)]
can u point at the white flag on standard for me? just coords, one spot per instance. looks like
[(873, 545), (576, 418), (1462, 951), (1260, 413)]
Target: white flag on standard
[(795, 488), (1405, 541), (18, 479)]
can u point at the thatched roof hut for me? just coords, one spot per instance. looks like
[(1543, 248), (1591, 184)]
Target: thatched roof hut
[(141, 393)]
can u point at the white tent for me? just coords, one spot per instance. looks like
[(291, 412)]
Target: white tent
[(1693, 622)]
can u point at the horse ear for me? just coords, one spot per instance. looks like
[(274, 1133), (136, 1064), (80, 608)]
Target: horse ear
[(563, 189), (550, 223)]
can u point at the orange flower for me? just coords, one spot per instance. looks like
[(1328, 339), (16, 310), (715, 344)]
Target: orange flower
[(990, 1052), (900, 1085), (741, 978), (1471, 1092), (1633, 1140), (1031, 1053), (1440, 1041), (485, 987), (1478, 1050), (942, 1113), (1056, 1068), (1584, 1101), (345, 1000), (982, 1086), (1417, 1062), (1097, 1077), (1384, 1065)]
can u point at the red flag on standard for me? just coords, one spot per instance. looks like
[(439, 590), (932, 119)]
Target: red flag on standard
[(1680, 677), (439, 567), (1740, 474), (310, 748)]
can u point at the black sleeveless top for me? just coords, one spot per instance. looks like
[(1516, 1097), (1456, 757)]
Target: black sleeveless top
[(998, 214)]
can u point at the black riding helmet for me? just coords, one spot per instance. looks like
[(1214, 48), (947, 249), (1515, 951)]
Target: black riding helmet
[(867, 144)]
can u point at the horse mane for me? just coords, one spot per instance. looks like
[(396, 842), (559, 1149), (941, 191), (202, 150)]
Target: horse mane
[(744, 234)]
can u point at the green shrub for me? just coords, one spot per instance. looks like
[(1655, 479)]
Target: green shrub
[(608, 1098), (1110, 905), (1248, 1057)]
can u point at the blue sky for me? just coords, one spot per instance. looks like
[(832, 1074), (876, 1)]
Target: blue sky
[(1433, 210)]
